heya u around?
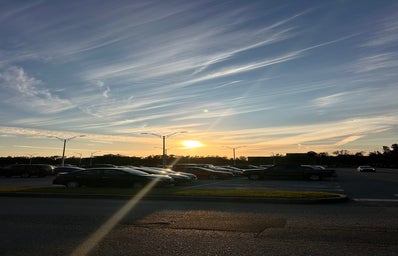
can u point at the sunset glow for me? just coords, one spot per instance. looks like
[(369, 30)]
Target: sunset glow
[(192, 144)]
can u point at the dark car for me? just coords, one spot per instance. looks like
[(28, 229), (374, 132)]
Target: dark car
[(193, 177), (109, 177), (27, 170), (288, 172), (59, 169), (204, 173), (233, 171), (326, 172), (179, 178)]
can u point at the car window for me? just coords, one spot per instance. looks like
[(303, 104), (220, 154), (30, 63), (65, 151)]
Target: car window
[(88, 173), (135, 172), (114, 173), (279, 168)]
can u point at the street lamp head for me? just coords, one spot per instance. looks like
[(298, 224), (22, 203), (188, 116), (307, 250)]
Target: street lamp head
[(151, 133), (77, 136), (174, 133), (65, 140), (236, 147), (70, 138), (163, 137)]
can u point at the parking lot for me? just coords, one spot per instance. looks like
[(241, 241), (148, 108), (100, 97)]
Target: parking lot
[(329, 185), (377, 187)]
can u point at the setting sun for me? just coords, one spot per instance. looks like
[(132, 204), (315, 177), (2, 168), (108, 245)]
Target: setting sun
[(192, 143)]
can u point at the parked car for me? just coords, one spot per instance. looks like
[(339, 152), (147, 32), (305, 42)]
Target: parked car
[(288, 172), (109, 177), (248, 167), (234, 170), (326, 172), (190, 175), (178, 178), (366, 168), (27, 170), (221, 168), (59, 169), (205, 173)]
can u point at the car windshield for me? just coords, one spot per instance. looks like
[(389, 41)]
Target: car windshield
[(134, 171)]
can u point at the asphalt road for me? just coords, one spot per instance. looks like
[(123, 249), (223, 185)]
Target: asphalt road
[(368, 186), (49, 226)]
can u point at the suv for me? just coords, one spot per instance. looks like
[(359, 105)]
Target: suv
[(26, 170), (290, 172)]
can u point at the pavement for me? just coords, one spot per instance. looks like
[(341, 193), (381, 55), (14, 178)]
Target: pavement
[(341, 198)]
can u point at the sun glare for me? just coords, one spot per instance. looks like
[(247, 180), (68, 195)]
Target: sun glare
[(192, 144)]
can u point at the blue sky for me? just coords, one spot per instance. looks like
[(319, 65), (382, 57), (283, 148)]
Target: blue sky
[(266, 77)]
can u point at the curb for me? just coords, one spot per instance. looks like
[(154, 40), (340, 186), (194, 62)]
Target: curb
[(342, 198)]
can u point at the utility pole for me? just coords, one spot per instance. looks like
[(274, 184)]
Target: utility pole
[(234, 152), (91, 157), (80, 158), (163, 137), (64, 141)]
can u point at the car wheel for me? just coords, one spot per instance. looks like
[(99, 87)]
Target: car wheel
[(72, 184), (314, 177), (254, 177), (25, 175), (138, 185), (213, 177)]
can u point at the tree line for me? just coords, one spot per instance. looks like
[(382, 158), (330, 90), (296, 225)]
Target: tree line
[(387, 158)]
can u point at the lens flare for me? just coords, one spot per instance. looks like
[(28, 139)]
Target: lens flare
[(95, 238)]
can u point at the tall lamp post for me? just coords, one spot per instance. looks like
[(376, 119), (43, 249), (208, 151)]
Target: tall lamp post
[(80, 158), (65, 140), (30, 158), (234, 152), (91, 157), (163, 137)]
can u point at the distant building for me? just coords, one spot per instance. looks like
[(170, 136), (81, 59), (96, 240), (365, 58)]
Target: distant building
[(290, 158), (261, 160)]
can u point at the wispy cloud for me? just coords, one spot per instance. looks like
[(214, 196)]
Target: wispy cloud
[(329, 100), (23, 91), (376, 62), (348, 140), (193, 48), (386, 32), (311, 133), (234, 70)]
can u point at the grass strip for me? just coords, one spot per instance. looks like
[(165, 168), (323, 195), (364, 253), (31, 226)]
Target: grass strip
[(174, 192)]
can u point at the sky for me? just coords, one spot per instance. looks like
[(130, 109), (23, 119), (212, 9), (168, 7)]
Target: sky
[(261, 77)]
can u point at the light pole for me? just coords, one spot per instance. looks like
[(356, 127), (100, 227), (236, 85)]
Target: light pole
[(163, 137), (65, 140), (91, 157), (234, 151), (80, 158), (30, 158)]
